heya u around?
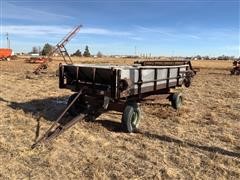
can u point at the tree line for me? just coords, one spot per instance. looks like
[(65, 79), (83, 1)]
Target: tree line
[(48, 48)]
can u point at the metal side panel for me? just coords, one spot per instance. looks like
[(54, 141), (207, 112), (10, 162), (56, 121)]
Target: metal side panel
[(148, 78), (140, 79)]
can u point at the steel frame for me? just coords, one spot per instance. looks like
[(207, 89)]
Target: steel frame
[(104, 97)]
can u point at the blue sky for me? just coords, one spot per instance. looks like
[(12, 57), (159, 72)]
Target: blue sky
[(159, 27)]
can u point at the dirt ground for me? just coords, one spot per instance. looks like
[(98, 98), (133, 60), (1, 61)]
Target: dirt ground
[(199, 141)]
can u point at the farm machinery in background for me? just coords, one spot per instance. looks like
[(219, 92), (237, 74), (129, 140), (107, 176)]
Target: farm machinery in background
[(59, 48), (5, 54), (236, 68), (37, 60)]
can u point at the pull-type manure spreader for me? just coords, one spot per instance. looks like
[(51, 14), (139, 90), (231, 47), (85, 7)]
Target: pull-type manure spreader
[(99, 88)]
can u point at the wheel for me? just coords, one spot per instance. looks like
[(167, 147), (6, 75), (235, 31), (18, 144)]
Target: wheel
[(77, 107), (187, 82), (176, 100), (131, 117)]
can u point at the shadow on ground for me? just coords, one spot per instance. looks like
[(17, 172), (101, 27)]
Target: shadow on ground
[(49, 108), (111, 125), (211, 149)]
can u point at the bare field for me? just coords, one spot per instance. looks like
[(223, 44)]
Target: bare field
[(199, 141)]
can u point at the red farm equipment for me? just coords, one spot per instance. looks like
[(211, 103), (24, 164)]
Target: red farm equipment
[(5, 53)]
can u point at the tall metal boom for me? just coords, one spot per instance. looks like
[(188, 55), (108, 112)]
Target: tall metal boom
[(60, 47)]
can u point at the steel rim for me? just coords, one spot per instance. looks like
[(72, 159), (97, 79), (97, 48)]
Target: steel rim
[(179, 101), (134, 119)]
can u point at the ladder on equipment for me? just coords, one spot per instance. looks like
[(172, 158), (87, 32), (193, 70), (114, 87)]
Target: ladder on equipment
[(60, 47)]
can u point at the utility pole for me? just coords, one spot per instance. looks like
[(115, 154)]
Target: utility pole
[(8, 41), (135, 49)]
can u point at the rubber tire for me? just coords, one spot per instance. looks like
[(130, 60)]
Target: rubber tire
[(177, 100), (131, 111), (187, 82), (75, 109)]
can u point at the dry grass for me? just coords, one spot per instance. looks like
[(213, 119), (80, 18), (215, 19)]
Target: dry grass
[(213, 64), (201, 140)]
